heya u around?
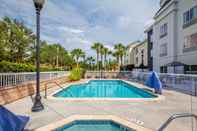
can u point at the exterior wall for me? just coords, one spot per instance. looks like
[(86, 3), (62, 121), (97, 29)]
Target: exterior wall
[(172, 14), (11, 94), (150, 47), (189, 57), (129, 59), (162, 2), (138, 56), (167, 16), (129, 56)]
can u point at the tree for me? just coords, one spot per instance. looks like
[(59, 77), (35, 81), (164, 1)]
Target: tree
[(120, 52), (116, 55), (90, 61), (17, 45), (15, 40), (107, 52), (76, 54), (101, 54), (68, 61), (3, 40), (53, 54), (97, 47)]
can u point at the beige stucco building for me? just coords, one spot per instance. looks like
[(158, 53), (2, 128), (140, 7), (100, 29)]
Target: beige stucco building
[(129, 57), (136, 55), (140, 55)]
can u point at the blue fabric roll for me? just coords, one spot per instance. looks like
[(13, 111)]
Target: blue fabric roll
[(11, 122), (153, 81)]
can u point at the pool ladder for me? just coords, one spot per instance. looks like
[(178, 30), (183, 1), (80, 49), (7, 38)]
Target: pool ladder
[(176, 116), (46, 85)]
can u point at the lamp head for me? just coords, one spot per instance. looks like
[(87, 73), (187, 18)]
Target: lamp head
[(39, 4)]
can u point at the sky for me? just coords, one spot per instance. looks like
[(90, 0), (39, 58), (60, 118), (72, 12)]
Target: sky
[(80, 23)]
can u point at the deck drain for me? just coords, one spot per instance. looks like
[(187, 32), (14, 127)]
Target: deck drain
[(137, 121)]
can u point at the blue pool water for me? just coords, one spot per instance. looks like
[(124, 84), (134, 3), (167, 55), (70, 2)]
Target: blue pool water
[(93, 126), (104, 89)]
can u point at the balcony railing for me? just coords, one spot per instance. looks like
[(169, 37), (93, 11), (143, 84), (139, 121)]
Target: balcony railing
[(13, 79)]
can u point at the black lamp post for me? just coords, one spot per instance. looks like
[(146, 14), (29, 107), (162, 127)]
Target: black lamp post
[(37, 103), (142, 57), (142, 64)]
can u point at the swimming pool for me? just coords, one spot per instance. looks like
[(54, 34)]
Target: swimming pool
[(93, 125), (103, 89)]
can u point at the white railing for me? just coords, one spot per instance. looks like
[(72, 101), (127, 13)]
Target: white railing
[(13, 79), (180, 82)]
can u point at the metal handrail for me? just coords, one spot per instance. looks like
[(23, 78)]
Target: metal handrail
[(176, 116), (53, 82)]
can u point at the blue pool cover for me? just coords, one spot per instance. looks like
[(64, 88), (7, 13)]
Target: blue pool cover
[(10, 121), (153, 81)]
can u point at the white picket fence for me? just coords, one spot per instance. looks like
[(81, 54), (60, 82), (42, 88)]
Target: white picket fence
[(12, 79)]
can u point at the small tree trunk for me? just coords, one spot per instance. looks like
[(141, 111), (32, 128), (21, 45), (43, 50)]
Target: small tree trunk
[(97, 59), (105, 64)]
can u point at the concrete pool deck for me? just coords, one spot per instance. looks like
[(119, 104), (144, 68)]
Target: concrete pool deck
[(150, 114)]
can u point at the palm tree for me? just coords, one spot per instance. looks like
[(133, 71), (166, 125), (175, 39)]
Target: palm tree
[(116, 55), (83, 56), (76, 54), (120, 49), (97, 46), (102, 53), (106, 53), (90, 61)]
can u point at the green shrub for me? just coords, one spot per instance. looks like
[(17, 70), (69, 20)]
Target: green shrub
[(75, 74), (6, 66), (83, 71), (44, 69)]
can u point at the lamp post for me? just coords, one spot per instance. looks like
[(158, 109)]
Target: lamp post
[(37, 106), (142, 55)]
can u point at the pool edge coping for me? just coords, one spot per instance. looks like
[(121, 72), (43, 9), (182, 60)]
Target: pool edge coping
[(84, 81), (73, 118)]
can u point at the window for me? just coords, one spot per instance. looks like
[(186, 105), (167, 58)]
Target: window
[(142, 52), (136, 51), (136, 60), (163, 30), (163, 50), (190, 41), (189, 16), (164, 69), (151, 53), (151, 38)]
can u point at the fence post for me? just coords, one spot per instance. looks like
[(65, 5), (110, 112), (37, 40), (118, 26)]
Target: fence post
[(194, 86)]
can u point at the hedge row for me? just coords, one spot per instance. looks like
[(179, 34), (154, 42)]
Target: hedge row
[(6, 66)]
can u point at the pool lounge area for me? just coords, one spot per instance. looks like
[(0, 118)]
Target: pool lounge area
[(147, 114)]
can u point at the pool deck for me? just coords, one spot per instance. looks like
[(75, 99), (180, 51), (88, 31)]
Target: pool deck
[(149, 114)]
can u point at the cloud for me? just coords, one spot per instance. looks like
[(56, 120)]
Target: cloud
[(110, 47), (78, 24), (149, 23), (71, 30)]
